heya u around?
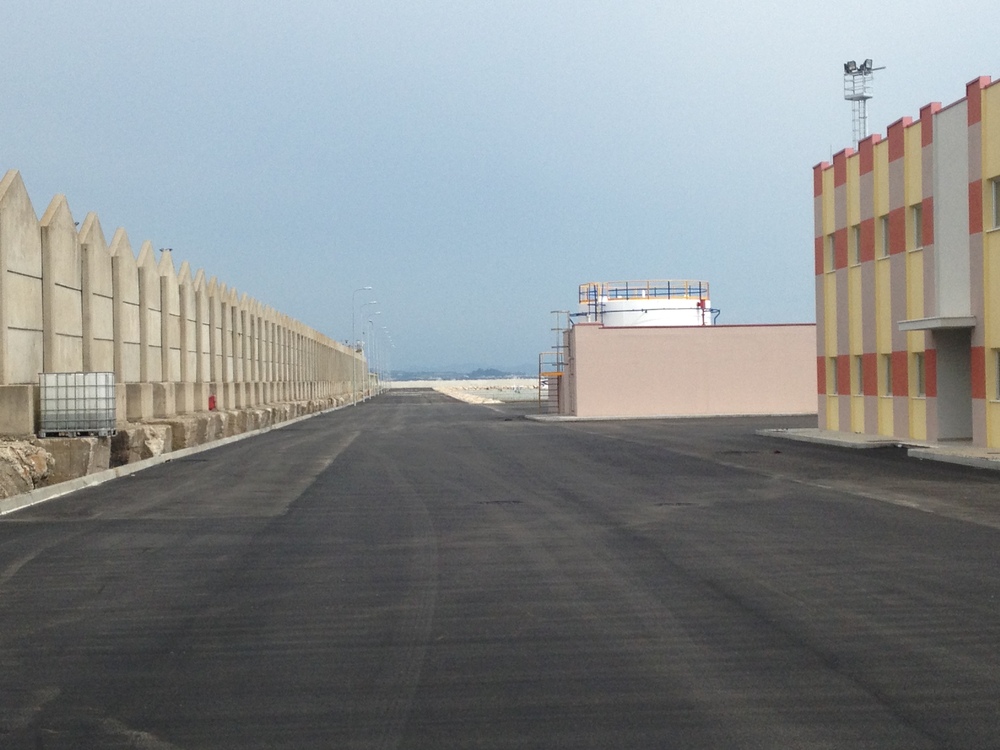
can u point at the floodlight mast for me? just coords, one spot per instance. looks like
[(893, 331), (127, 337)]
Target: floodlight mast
[(858, 81)]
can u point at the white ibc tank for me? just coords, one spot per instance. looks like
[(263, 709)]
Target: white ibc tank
[(646, 303)]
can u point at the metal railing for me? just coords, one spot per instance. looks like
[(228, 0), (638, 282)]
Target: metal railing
[(594, 292)]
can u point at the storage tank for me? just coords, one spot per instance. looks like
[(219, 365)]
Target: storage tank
[(646, 303)]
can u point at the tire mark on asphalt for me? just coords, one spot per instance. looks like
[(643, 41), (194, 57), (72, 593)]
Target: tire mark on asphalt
[(412, 634), (922, 503)]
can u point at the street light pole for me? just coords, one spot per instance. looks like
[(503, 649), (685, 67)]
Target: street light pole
[(383, 352), (354, 347), (370, 334), (365, 345)]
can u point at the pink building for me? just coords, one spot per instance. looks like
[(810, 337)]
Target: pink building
[(657, 368)]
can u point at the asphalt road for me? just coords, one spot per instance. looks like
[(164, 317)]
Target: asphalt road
[(415, 572)]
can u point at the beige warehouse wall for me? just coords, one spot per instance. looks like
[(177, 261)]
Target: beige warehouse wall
[(690, 371), (69, 302)]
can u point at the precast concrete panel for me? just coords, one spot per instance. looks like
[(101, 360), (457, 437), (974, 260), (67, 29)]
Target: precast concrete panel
[(830, 315), (22, 253), (125, 276), (170, 318), (840, 207), (187, 324), (98, 298), (150, 311), (841, 300), (915, 285), (883, 317), (214, 303), (952, 268), (68, 302), (21, 344), (897, 185), (867, 307), (913, 167), (853, 191), (855, 311), (62, 290), (898, 302), (202, 373)]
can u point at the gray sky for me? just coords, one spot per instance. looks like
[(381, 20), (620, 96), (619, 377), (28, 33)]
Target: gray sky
[(473, 161)]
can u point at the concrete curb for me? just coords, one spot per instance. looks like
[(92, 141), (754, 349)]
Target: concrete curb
[(914, 449), (42, 494), (837, 439), (568, 418), (962, 459)]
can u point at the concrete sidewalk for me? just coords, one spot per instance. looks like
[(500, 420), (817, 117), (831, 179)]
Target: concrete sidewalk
[(955, 452)]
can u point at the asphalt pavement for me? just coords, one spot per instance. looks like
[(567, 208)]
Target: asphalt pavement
[(416, 572)]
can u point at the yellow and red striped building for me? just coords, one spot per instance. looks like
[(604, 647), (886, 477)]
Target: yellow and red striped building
[(907, 245)]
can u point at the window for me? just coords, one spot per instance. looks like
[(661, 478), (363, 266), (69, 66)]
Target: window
[(859, 375), (995, 190), (886, 374), (917, 220), (831, 376), (855, 245), (831, 253), (919, 375), (883, 223)]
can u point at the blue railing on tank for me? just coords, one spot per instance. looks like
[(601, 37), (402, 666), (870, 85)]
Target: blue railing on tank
[(594, 292)]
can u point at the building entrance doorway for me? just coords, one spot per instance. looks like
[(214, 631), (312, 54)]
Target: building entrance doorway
[(954, 383)]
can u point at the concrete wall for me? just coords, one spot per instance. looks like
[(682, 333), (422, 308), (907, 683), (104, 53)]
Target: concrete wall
[(696, 371), (71, 302)]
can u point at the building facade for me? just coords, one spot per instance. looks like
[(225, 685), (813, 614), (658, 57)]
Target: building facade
[(687, 371), (907, 249)]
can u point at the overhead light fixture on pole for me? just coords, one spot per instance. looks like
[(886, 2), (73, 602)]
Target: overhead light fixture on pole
[(354, 347), (858, 81), (365, 347)]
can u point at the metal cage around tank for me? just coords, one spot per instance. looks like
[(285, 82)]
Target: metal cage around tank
[(649, 302)]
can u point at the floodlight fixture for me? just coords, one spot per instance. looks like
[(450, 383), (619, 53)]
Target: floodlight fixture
[(858, 90)]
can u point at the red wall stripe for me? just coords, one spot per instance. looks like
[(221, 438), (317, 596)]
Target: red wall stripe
[(818, 178), (819, 256), (927, 123), (927, 220), (844, 373), (866, 153), (869, 370), (897, 142), (821, 375), (974, 96), (976, 207), (978, 363), (867, 250), (840, 168)]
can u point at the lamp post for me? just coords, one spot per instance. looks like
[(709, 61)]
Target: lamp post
[(373, 362), (858, 90), (365, 344), (370, 333), (354, 346), (383, 355)]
